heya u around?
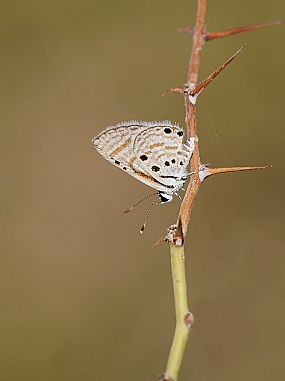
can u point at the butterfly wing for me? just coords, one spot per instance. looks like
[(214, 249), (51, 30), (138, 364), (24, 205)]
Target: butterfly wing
[(116, 144), (160, 151), (152, 152)]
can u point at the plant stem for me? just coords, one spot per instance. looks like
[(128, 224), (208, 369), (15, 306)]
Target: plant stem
[(181, 311), (177, 233)]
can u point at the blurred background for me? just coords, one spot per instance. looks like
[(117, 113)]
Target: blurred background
[(84, 295)]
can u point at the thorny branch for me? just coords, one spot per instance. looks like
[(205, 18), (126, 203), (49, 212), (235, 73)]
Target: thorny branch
[(190, 92), (176, 233)]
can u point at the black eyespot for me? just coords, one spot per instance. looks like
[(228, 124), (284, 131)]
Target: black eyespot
[(167, 163), (181, 163), (180, 133), (154, 168), (124, 168), (117, 162), (173, 161), (167, 130), (143, 157)]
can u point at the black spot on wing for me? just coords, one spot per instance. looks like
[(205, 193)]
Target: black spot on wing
[(167, 130), (155, 168)]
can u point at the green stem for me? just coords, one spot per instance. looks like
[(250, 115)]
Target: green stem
[(183, 317)]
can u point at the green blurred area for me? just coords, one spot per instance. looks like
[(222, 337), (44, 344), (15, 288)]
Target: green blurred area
[(84, 296)]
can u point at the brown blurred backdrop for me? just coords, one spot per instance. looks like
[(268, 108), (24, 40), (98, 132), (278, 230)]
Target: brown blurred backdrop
[(84, 295)]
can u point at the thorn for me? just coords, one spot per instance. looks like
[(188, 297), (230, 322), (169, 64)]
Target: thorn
[(229, 32), (199, 88), (174, 90), (214, 171), (164, 239), (187, 29)]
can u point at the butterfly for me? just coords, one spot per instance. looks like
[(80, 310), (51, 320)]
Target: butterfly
[(152, 152)]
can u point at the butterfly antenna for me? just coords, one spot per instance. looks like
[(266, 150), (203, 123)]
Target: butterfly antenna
[(132, 207), (148, 213)]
